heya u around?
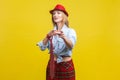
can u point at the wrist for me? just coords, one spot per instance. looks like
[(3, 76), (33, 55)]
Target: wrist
[(48, 36), (64, 37)]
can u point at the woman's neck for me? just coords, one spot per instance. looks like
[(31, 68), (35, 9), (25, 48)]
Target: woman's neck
[(59, 26)]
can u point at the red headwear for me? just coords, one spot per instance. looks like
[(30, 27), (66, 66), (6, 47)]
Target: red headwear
[(60, 8)]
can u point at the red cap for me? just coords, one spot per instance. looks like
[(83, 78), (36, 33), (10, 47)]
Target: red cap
[(60, 8)]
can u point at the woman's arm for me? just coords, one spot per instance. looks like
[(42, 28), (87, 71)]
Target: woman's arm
[(70, 40), (46, 39), (67, 41)]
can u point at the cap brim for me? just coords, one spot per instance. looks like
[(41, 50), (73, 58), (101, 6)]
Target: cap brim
[(51, 11)]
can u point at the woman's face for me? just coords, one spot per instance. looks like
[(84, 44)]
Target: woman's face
[(57, 16)]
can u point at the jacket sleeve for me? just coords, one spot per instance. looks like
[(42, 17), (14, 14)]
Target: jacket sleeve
[(72, 36), (42, 46)]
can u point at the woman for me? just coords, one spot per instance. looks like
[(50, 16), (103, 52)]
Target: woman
[(60, 41)]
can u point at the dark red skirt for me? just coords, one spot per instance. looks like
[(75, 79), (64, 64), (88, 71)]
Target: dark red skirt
[(63, 71)]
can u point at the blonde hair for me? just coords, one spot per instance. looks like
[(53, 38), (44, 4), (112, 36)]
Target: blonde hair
[(65, 19)]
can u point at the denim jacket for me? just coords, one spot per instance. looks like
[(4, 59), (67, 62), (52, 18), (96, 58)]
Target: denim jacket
[(59, 46)]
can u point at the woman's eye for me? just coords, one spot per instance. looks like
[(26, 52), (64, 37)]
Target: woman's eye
[(53, 13), (56, 13), (59, 13)]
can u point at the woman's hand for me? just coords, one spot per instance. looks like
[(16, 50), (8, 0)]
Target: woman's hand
[(51, 33), (61, 35), (54, 32)]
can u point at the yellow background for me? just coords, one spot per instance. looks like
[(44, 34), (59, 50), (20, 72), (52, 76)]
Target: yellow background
[(23, 23)]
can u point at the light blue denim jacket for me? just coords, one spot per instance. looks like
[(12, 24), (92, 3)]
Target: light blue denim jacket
[(59, 46)]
